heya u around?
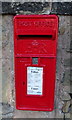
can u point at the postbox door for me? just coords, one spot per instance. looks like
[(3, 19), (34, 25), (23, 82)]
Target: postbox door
[(31, 99)]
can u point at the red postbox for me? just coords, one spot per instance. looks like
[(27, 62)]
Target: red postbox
[(35, 41)]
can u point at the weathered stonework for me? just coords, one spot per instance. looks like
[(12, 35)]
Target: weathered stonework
[(0, 66), (50, 7), (63, 93), (7, 38)]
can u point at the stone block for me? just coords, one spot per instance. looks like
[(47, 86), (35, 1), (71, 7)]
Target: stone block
[(71, 87), (71, 116), (6, 81), (67, 63), (67, 116), (37, 114), (64, 32), (67, 78), (65, 108), (67, 89), (0, 110), (7, 36), (65, 96), (7, 110)]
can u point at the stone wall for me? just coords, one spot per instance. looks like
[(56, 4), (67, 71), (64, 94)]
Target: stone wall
[(63, 93)]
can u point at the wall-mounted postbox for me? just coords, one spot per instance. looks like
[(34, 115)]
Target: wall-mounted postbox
[(35, 41)]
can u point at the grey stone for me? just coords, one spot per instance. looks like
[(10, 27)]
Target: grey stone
[(30, 114), (0, 36), (71, 87), (65, 108), (62, 30), (71, 116), (0, 110), (7, 36), (67, 88), (6, 81), (8, 116), (37, 114), (59, 7), (15, 8), (7, 110), (66, 96), (34, 6), (67, 116), (67, 63), (67, 77)]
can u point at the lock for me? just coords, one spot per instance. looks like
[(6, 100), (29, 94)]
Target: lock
[(35, 42)]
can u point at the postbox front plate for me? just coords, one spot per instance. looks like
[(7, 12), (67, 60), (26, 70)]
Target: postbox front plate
[(35, 41)]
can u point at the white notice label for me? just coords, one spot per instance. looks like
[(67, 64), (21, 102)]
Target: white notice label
[(34, 80)]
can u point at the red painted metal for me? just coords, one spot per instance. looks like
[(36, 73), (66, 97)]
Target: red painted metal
[(35, 36)]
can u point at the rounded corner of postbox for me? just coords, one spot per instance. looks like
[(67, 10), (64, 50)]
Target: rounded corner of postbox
[(17, 107), (51, 109), (15, 17), (56, 16)]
